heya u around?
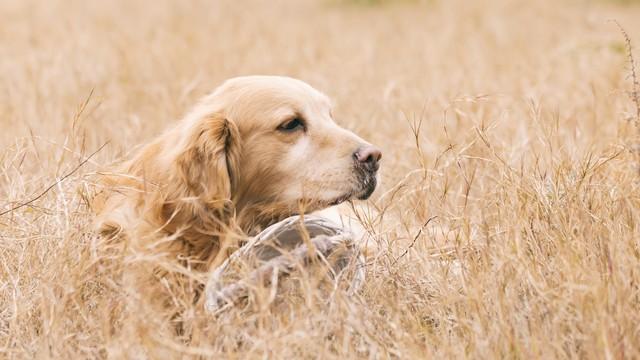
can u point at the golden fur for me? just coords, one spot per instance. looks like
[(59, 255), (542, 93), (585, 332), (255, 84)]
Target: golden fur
[(228, 167)]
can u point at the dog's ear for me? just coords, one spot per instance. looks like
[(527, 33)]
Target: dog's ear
[(206, 168)]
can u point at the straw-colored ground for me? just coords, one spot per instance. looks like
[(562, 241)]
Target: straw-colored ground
[(522, 152)]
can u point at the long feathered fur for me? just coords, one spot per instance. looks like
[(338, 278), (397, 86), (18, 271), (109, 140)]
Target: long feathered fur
[(180, 185)]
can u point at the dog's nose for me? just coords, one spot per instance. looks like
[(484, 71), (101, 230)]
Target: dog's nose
[(368, 155)]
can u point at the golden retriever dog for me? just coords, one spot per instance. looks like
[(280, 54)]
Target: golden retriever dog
[(255, 151)]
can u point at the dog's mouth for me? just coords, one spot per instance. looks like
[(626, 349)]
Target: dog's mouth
[(366, 186), (369, 184), (341, 199)]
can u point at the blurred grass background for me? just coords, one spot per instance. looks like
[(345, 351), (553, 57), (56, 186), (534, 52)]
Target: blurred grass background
[(524, 153)]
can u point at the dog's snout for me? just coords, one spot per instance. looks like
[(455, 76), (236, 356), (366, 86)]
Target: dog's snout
[(368, 155)]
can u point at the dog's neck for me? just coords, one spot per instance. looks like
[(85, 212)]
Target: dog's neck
[(252, 218), (255, 217)]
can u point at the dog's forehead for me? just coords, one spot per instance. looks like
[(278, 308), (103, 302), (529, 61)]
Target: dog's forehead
[(271, 92)]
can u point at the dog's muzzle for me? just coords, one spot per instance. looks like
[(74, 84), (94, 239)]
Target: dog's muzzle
[(367, 163)]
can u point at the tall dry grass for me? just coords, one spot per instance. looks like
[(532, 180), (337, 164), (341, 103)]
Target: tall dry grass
[(508, 124)]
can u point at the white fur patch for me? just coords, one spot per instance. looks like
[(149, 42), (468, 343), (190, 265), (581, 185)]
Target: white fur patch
[(299, 152)]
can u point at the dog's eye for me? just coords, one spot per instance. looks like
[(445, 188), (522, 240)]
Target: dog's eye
[(292, 125)]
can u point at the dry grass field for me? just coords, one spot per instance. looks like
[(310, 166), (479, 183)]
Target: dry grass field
[(507, 123)]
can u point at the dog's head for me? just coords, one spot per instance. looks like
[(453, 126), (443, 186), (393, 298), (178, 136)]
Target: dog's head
[(262, 147), (272, 142)]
